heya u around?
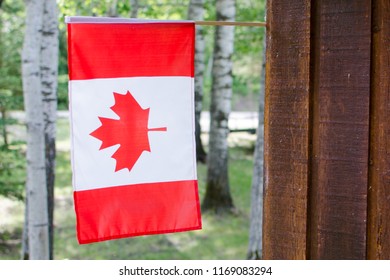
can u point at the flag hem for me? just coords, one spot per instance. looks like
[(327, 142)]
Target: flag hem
[(87, 220), (103, 20), (138, 234)]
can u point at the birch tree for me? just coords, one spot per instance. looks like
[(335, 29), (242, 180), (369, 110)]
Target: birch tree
[(218, 197), (256, 217), (112, 10), (134, 8), (196, 12), (49, 73), (36, 191)]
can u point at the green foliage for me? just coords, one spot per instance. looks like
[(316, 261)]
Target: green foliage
[(248, 39), (8, 101), (11, 39), (248, 48), (12, 171), (12, 161), (62, 90), (12, 158)]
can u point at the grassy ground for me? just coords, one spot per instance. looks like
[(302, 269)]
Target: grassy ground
[(222, 237)]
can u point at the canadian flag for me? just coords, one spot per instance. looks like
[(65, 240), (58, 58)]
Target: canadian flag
[(131, 97)]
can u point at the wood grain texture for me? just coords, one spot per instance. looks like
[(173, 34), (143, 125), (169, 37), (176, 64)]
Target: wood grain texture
[(286, 132), (378, 234), (341, 98)]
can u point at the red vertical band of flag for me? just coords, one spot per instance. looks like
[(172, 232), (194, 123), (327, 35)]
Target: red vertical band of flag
[(137, 210), (121, 53), (130, 50)]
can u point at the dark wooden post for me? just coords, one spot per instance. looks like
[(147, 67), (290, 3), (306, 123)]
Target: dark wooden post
[(286, 134), (379, 179), (327, 130), (340, 136)]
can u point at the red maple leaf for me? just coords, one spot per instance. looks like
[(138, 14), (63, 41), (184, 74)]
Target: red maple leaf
[(130, 131)]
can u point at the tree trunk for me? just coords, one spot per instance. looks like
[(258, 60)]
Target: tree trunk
[(218, 196), (195, 12), (36, 190), (112, 10), (3, 103), (25, 253), (49, 71), (134, 8), (4, 126), (256, 218)]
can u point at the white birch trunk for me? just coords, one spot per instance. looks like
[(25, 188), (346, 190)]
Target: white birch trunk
[(256, 218), (112, 10), (218, 196), (49, 73), (36, 173), (134, 5), (196, 12)]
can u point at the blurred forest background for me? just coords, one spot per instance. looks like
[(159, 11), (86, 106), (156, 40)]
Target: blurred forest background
[(224, 235)]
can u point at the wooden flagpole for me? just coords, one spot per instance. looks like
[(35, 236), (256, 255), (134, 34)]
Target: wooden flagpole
[(231, 23), (80, 19)]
